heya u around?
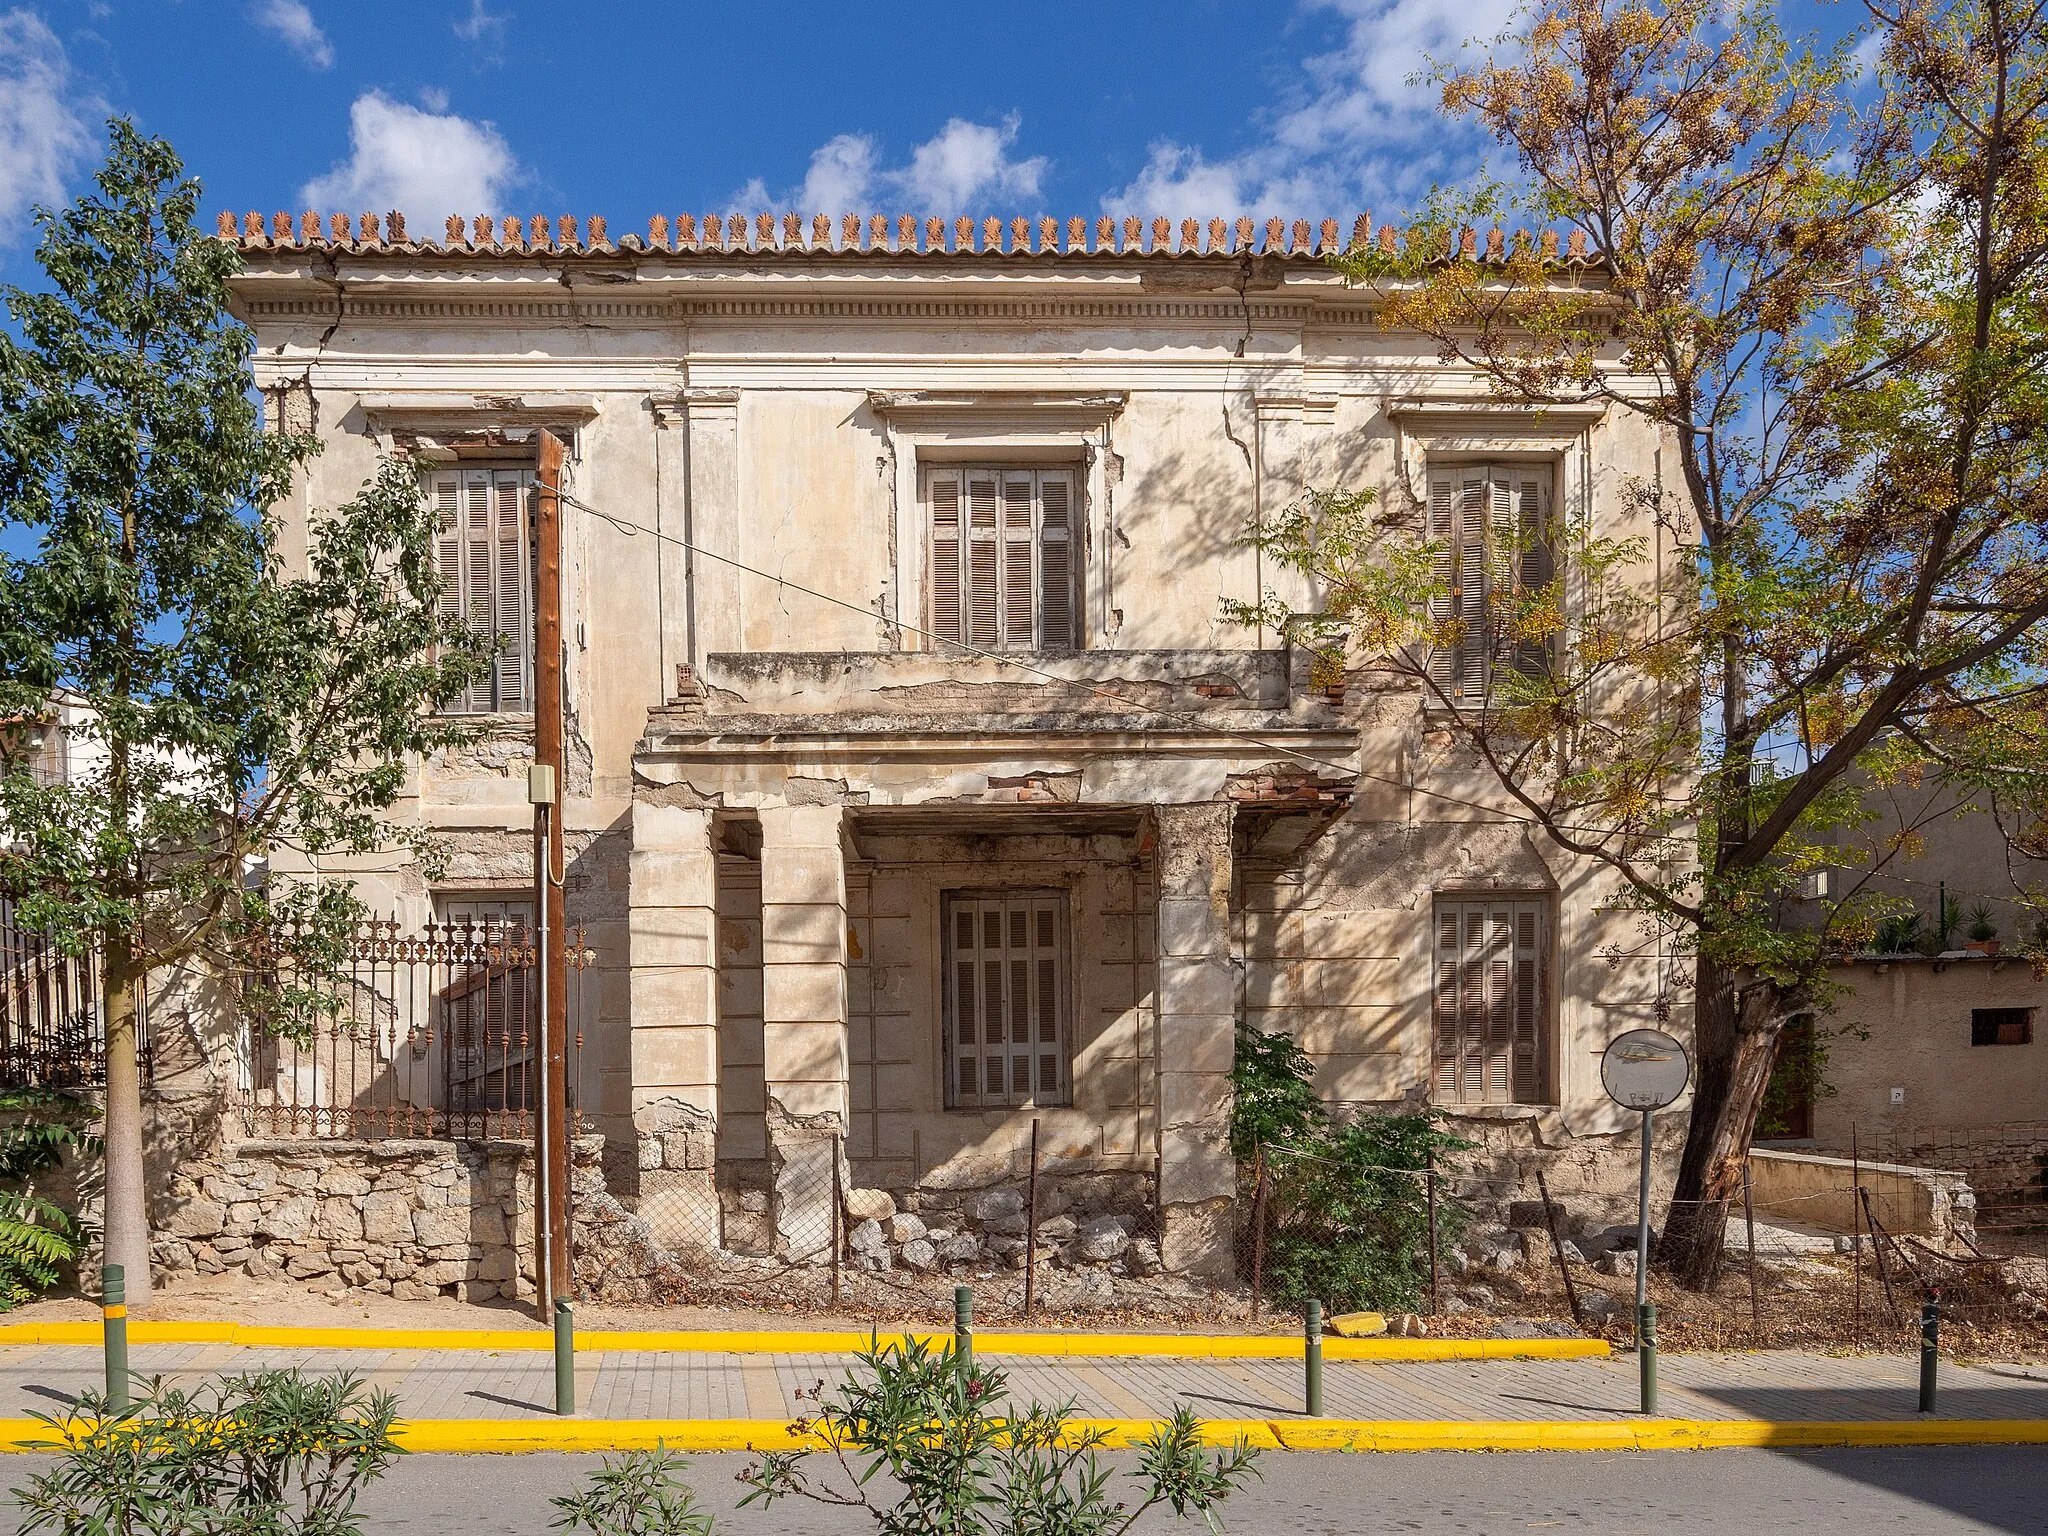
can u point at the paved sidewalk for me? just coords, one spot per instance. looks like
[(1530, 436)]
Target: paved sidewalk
[(478, 1384)]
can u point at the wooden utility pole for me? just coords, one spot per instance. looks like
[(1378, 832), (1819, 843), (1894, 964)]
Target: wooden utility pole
[(551, 1125)]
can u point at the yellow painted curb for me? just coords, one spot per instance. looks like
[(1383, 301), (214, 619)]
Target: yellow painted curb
[(1190, 1346), (486, 1437), (1647, 1434)]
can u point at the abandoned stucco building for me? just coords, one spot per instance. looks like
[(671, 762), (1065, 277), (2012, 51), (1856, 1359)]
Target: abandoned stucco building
[(843, 876)]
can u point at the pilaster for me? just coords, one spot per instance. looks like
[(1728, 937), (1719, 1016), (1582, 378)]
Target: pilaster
[(1197, 1027), (803, 1016)]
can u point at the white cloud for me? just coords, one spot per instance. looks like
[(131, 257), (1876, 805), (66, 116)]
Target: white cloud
[(841, 172), (42, 136), (290, 20), (1359, 129), (965, 165), (484, 30), (425, 164)]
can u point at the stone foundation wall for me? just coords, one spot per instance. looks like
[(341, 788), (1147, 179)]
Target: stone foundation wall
[(409, 1219)]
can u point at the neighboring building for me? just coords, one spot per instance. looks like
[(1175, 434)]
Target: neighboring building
[(842, 878), (1940, 1058)]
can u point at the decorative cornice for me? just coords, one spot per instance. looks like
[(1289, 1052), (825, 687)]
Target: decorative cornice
[(256, 306), (1443, 410), (855, 235), (414, 410), (931, 408)]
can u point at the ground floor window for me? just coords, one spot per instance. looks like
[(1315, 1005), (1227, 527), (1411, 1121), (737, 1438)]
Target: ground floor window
[(1491, 1000), (487, 1011), (1006, 999)]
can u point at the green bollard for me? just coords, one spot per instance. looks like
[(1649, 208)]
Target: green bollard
[(565, 1358), (963, 1327), (1312, 1357), (1930, 1356), (114, 1315), (1646, 1353)]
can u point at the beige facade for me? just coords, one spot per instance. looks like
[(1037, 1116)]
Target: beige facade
[(1923, 1051), (807, 835)]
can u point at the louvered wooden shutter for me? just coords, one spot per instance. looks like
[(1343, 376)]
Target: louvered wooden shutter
[(1488, 1001), (1056, 556), (1532, 541), (1443, 601), (444, 493), (983, 599), (943, 492), (1475, 510), (1006, 978), (512, 613), (1019, 610), (485, 557)]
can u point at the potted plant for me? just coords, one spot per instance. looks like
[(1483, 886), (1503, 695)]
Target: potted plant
[(1982, 930)]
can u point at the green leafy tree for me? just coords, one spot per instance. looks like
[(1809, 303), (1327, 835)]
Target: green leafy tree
[(1824, 292), (959, 1464), (235, 708)]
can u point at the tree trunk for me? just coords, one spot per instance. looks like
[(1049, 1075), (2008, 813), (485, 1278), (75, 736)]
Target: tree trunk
[(126, 1218), (1735, 1041)]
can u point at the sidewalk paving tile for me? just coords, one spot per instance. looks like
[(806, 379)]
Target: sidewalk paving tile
[(508, 1384)]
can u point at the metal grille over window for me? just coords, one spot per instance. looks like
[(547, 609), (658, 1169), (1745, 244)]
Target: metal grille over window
[(1006, 1000), (1491, 1002), (1003, 566), (485, 558), (1491, 528), (2001, 1026)]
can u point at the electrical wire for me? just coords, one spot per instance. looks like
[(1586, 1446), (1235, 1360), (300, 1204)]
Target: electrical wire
[(631, 528)]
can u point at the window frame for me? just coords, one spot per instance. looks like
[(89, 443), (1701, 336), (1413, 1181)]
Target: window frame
[(1031, 900), (1465, 674), (455, 546), (1988, 1026), (1539, 1085), (945, 629)]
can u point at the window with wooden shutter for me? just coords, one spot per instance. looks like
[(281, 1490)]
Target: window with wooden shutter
[(484, 553), (1490, 528), (1006, 999), (1003, 561), (1491, 1000)]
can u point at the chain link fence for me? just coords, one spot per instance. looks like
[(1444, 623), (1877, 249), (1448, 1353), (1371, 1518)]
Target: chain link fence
[(1457, 1248)]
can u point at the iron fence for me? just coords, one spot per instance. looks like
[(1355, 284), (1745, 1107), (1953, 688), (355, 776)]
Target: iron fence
[(52, 1033), (433, 1034)]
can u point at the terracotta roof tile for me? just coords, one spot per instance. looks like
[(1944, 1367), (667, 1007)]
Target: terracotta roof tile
[(874, 234)]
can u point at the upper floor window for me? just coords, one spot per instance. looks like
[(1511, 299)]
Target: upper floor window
[(1003, 568), (486, 565), (1491, 524), (1005, 999), (1491, 1000)]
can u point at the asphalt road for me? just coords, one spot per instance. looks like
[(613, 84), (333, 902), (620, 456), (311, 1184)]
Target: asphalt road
[(1924, 1492)]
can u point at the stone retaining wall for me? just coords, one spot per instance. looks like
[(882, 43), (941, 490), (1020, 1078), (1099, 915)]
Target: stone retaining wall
[(409, 1219)]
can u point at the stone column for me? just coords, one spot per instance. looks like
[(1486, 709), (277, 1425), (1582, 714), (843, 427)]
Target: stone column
[(672, 946), (803, 1017), (1196, 997)]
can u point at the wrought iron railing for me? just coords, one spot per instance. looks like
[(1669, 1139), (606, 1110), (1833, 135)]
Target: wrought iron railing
[(430, 1034), (51, 1033)]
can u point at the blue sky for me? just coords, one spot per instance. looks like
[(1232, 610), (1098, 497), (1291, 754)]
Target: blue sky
[(626, 107)]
